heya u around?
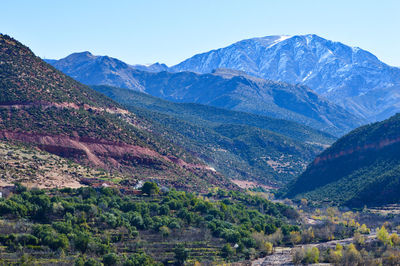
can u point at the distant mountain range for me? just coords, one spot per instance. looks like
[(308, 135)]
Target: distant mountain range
[(361, 168), (350, 77), (223, 88)]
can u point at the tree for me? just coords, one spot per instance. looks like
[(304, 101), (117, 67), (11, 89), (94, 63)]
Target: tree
[(336, 255), (81, 242), (268, 248), (359, 239), (110, 259), (295, 237), (150, 188), (364, 229), (383, 236), (308, 235), (352, 256), (394, 239), (227, 251), (181, 254), (312, 255)]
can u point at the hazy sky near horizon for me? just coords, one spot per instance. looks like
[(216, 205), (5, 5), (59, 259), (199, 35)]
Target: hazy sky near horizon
[(169, 31)]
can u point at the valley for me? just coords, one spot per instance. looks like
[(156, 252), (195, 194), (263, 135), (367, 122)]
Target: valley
[(274, 150)]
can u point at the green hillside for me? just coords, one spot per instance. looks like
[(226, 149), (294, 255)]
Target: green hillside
[(239, 145), (361, 168), (40, 105), (204, 115)]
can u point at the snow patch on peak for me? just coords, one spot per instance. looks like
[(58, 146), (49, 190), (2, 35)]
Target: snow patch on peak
[(280, 39), (269, 41)]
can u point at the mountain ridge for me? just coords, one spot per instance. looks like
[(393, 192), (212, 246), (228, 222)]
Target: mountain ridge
[(361, 168), (43, 107), (240, 145), (348, 76), (223, 88)]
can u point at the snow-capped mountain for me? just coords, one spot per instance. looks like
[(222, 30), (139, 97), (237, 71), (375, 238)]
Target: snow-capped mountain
[(348, 76)]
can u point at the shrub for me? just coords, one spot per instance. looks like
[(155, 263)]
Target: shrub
[(394, 239), (227, 251), (268, 248), (298, 255), (139, 259), (27, 239), (391, 258), (165, 231), (150, 188), (110, 259), (181, 254), (295, 237)]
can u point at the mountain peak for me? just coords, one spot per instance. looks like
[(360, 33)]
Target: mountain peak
[(348, 76), (84, 54), (271, 40)]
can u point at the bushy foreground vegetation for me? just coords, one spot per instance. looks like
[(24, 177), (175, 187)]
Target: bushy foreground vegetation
[(343, 237), (88, 226), (382, 250)]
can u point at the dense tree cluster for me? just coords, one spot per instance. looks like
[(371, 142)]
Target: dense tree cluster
[(93, 221)]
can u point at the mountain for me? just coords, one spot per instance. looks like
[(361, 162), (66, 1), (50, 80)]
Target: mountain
[(43, 107), (240, 145), (361, 168), (348, 76), (90, 69), (223, 88), (237, 91), (156, 67), (205, 115)]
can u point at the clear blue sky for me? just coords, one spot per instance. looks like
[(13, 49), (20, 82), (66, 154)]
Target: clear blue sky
[(169, 31)]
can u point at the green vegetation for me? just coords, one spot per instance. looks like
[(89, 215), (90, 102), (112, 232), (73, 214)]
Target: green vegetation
[(41, 106), (107, 226), (25, 78), (239, 145), (204, 115), (373, 252), (150, 188), (335, 236), (361, 168)]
